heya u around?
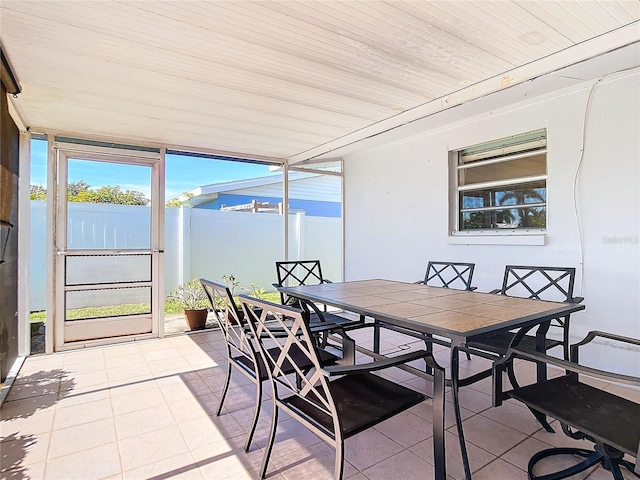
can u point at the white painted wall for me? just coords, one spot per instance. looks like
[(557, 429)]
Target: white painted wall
[(396, 200)]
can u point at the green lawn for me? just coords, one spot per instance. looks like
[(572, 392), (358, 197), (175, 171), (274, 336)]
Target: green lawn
[(128, 309)]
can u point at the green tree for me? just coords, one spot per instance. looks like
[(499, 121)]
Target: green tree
[(180, 201), (529, 216), (38, 192), (82, 192)]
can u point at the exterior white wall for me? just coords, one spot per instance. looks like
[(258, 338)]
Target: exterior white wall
[(397, 201)]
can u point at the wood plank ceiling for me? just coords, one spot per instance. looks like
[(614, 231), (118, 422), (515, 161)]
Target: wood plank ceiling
[(270, 79)]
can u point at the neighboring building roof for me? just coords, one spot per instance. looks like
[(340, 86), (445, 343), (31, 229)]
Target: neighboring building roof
[(302, 185)]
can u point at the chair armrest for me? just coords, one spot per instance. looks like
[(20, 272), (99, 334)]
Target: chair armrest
[(373, 366), (497, 290), (473, 288), (569, 366), (326, 280), (576, 300), (276, 285), (419, 282)]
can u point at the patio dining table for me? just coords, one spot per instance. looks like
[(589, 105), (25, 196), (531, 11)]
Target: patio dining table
[(456, 315)]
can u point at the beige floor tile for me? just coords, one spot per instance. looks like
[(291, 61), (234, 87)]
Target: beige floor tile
[(35, 386), (143, 421), (83, 357), (514, 415), (500, 470), (201, 432), (98, 462), (151, 447), (81, 437), (198, 387), (97, 365), (559, 439), (83, 413), (122, 350), (520, 454), (359, 449), (124, 360), (425, 410), (175, 365), (313, 462), (79, 396), (132, 385), (20, 419), (141, 400), (227, 460), (501, 439), (472, 399), (187, 410), (478, 457), (403, 466), (164, 395), (406, 428), (127, 372), (17, 451), (91, 379), (290, 436), (164, 354), (36, 363), (34, 471), (181, 466)]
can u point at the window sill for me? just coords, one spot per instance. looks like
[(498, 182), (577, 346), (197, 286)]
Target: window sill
[(492, 239)]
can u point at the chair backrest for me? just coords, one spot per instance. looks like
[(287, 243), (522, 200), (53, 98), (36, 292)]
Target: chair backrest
[(231, 320), (541, 283), (456, 275), (295, 273), (285, 340)]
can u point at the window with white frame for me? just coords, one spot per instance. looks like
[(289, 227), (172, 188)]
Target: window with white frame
[(502, 185)]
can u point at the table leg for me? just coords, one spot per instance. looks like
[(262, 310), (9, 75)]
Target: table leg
[(455, 374), (440, 459)]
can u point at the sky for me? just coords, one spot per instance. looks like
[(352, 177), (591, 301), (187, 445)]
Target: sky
[(183, 173)]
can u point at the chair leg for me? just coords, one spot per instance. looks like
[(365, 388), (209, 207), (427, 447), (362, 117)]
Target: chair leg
[(541, 417), (339, 465), (270, 440), (224, 390), (256, 414), (591, 458)]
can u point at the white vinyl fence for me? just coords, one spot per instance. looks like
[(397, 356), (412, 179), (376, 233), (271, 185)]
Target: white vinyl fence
[(199, 243)]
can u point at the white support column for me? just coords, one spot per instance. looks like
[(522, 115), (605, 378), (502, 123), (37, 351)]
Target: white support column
[(24, 215), (51, 215), (285, 207)]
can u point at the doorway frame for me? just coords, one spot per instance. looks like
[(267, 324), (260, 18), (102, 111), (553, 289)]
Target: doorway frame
[(59, 153)]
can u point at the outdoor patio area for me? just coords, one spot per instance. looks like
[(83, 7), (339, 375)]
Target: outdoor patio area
[(147, 410)]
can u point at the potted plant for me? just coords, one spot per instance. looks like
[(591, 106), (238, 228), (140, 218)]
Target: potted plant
[(193, 300)]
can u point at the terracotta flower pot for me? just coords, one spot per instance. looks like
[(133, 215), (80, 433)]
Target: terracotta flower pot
[(196, 319)]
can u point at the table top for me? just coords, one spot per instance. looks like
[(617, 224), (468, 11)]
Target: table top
[(436, 310)]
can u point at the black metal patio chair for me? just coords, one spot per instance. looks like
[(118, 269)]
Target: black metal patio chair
[(294, 273), (540, 283), (457, 275), (334, 402), (585, 411), (241, 350)]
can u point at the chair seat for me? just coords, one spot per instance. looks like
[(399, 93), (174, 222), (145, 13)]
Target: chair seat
[(499, 343), (363, 400), (300, 358), (345, 323), (603, 416)]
